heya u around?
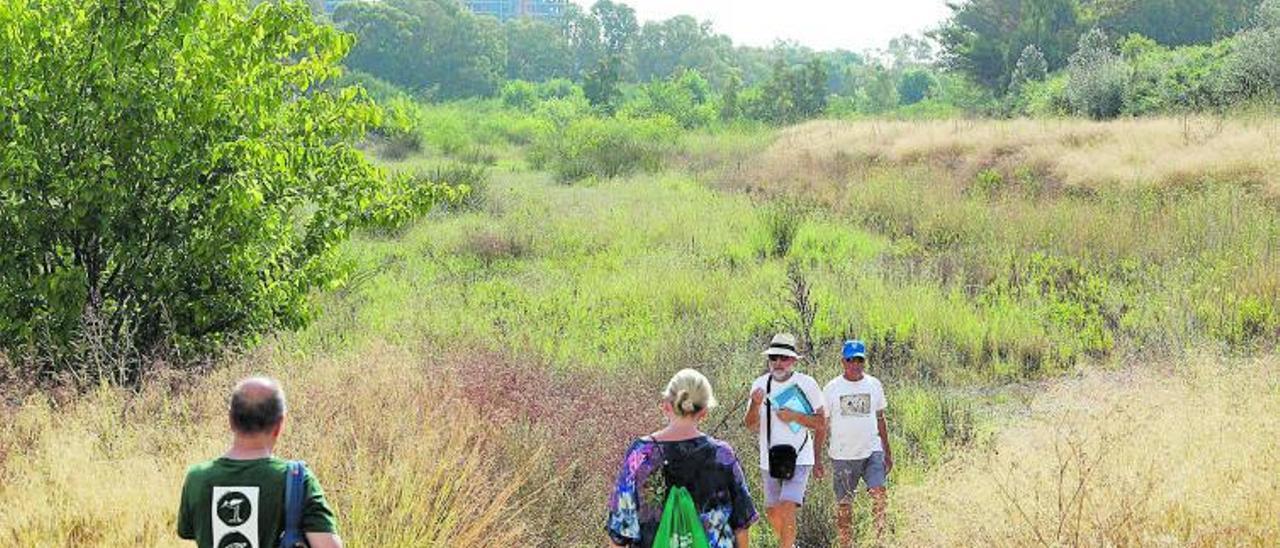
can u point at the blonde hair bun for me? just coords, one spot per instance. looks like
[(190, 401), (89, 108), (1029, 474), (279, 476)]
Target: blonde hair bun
[(689, 392)]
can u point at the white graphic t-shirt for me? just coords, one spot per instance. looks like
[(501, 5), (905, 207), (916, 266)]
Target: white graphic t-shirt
[(854, 434), (782, 434)]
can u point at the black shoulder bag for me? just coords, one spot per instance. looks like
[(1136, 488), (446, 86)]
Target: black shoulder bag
[(782, 457)]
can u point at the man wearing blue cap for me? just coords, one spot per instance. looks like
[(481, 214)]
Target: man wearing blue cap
[(859, 439)]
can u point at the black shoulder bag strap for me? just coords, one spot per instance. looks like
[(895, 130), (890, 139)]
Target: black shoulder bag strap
[(768, 415)]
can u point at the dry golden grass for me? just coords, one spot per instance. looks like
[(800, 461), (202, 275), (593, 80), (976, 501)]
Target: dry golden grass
[(400, 460), (1073, 153), (1183, 458)]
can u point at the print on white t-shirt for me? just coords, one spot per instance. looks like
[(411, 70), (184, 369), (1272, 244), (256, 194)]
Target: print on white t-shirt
[(782, 434), (855, 405), (855, 433)]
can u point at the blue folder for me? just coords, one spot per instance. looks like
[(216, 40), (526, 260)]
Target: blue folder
[(792, 398)]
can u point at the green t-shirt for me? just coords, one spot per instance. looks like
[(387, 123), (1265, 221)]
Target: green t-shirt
[(230, 503)]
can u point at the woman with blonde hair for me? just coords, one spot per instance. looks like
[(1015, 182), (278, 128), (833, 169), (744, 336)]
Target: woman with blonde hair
[(680, 455)]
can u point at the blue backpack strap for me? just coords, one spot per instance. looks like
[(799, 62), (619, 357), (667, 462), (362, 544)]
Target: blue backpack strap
[(294, 495)]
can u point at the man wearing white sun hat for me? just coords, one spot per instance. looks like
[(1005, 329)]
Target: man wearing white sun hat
[(787, 411)]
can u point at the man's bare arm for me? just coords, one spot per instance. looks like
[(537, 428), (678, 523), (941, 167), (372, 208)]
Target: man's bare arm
[(816, 421), (884, 440), (752, 418)]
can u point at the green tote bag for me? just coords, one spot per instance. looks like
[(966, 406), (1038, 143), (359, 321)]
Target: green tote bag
[(680, 526)]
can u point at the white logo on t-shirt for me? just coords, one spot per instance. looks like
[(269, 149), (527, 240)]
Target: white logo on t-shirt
[(235, 524)]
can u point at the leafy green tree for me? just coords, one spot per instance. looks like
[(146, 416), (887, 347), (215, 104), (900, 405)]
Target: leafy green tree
[(582, 32), (173, 174), (881, 92), (1031, 67), (810, 89), (1097, 77), (1173, 22), (1253, 69), (537, 51), (984, 38), (618, 26), (915, 85), (664, 48), (729, 107), (435, 47), (685, 98), (601, 85)]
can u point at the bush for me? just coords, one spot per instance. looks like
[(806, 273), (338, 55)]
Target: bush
[(169, 214), (1188, 78), (607, 148), (1097, 78), (519, 94), (685, 99), (1253, 70), (1047, 98), (399, 134)]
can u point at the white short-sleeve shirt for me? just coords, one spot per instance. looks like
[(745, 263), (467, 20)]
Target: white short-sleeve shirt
[(854, 431), (782, 434)]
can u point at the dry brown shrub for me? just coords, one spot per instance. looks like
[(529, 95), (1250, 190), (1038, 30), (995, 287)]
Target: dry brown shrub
[(491, 246), (1076, 153), (1183, 458), (380, 429)]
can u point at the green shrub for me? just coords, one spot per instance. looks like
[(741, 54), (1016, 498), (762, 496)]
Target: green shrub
[(1188, 78), (607, 148), (1046, 98), (1097, 78), (519, 94), (685, 98), (169, 214)]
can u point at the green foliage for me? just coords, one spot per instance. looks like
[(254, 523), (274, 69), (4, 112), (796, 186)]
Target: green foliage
[(166, 177), (536, 51), (607, 148), (1097, 78), (1174, 22), (1253, 69), (665, 48), (618, 26), (1184, 79), (880, 95), (985, 38), (729, 105), (782, 221), (793, 93), (915, 85), (686, 98), (435, 47), (1047, 98), (398, 134), (519, 94), (601, 85), (1031, 67)]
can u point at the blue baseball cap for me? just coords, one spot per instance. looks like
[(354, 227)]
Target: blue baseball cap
[(854, 349)]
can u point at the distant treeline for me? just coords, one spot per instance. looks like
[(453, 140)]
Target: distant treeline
[(997, 57)]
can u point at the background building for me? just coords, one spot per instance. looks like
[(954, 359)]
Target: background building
[(507, 9)]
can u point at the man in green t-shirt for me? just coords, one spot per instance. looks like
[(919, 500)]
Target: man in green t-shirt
[(237, 500)]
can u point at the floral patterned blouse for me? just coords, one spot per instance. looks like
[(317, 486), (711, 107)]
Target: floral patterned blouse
[(707, 467)]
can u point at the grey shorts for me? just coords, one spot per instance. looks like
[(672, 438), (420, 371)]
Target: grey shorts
[(846, 474), (792, 490)]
